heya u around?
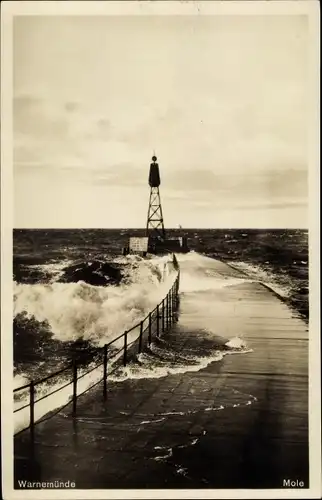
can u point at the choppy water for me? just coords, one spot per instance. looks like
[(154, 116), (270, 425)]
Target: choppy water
[(73, 292)]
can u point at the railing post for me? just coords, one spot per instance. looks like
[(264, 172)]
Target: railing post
[(32, 408), (105, 371), (162, 315), (177, 291), (150, 329), (140, 338), (125, 349), (171, 304), (167, 312), (158, 317), (174, 301), (74, 386)]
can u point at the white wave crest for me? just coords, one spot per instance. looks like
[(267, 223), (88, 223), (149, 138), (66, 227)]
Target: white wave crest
[(54, 269), (258, 273), (20, 380), (79, 310), (148, 366), (236, 343), (163, 362), (200, 273)]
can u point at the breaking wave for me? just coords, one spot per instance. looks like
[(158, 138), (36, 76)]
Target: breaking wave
[(283, 287), (200, 274), (100, 313), (160, 360), (96, 313)]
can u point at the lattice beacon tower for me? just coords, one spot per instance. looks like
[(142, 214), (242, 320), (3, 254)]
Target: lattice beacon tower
[(155, 225), (155, 240)]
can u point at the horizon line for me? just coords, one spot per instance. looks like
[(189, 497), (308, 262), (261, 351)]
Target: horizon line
[(167, 229)]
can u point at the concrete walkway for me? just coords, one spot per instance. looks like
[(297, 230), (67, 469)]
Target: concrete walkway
[(240, 422)]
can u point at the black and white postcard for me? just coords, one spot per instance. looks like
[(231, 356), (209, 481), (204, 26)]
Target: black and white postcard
[(159, 250)]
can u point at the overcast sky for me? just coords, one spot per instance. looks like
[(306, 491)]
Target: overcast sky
[(221, 99)]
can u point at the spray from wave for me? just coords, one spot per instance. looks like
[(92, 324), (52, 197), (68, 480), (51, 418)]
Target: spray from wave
[(281, 287), (96, 313), (201, 276), (162, 360), (159, 360)]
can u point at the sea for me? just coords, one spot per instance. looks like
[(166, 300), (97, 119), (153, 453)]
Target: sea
[(74, 291)]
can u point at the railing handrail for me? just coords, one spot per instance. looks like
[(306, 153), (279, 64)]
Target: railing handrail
[(33, 384)]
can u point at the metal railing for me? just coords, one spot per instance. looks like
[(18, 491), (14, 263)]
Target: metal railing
[(158, 321)]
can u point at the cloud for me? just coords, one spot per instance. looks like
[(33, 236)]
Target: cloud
[(71, 106), (271, 183), (222, 100), (122, 174), (34, 117), (67, 138), (57, 133)]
